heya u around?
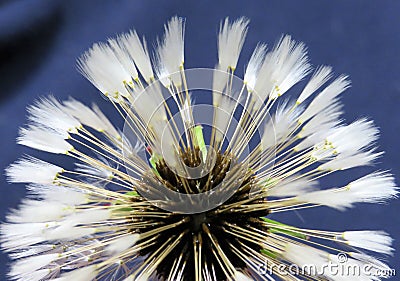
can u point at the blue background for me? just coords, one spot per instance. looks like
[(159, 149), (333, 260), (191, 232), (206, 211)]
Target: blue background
[(41, 39)]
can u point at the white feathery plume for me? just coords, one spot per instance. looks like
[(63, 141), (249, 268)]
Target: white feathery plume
[(375, 266), (39, 211), (166, 145), (319, 126), (88, 216), (24, 242), (254, 65), (283, 67), (154, 118), (280, 125), (170, 52), (67, 231), (313, 140), (344, 141), (26, 266), (44, 139), (164, 76), (377, 241), (352, 138), (51, 211), (150, 107), (129, 150), (17, 234), (66, 195), (32, 170), (122, 243), (25, 229), (292, 186), (292, 69), (86, 115), (322, 122), (48, 213), (321, 75), (230, 42), (138, 52), (96, 170), (48, 112), (103, 69), (328, 198), (344, 162), (109, 127), (369, 260), (377, 187), (124, 58), (269, 138), (81, 274), (326, 98)]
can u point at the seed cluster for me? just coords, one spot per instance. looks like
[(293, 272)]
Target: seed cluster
[(203, 233)]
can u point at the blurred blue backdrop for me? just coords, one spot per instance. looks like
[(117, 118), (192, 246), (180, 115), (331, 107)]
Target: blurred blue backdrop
[(41, 39)]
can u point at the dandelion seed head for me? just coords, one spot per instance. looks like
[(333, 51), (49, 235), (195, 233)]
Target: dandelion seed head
[(190, 191)]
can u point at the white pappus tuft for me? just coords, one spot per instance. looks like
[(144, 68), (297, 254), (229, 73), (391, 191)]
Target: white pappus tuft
[(48, 112), (326, 97), (25, 267), (122, 243), (254, 66), (62, 194), (44, 139), (99, 172), (138, 52), (283, 67), (377, 187), (103, 69), (39, 211), (319, 78), (170, 53), (124, 58), (291, 186), (89, 117), (230, 42), (32, 170), (377, 241), (343, 140), (280, 125)]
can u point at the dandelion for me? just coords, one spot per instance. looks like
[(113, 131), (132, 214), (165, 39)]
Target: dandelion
[(172, 197)]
